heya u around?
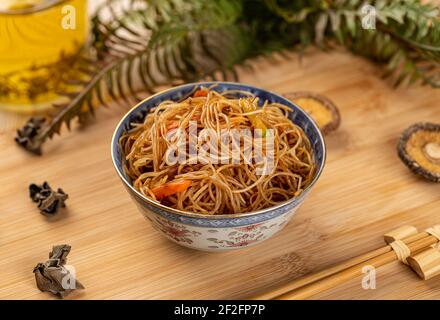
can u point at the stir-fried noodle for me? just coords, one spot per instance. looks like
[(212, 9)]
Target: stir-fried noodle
[(214, 181)]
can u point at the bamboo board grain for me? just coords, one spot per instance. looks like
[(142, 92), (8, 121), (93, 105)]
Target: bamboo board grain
[(364, 192)]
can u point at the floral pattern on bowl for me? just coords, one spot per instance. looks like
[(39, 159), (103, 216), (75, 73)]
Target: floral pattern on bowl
[(215, 239)]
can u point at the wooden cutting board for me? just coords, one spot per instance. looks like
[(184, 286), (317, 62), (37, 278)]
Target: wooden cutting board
[(364, 192)]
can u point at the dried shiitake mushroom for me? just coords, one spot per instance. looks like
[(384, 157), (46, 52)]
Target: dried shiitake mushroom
[(419, 149), (320, 108)]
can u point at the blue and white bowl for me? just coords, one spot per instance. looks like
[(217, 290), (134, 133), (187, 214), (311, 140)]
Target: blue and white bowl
[(216, 232)]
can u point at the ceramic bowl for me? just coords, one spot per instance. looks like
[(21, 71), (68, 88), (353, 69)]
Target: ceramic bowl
[(216, 232)]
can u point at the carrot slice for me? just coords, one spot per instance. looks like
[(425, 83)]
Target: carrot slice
[(200, 93), (170, 188)]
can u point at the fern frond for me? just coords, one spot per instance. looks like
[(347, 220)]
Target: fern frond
[(178, 48), (141, 45)]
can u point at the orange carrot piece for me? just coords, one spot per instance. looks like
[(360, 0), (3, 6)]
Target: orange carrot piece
[(170, 188), (200, 93)]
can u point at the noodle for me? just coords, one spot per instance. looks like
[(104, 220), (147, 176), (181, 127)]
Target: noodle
[(216, 182)]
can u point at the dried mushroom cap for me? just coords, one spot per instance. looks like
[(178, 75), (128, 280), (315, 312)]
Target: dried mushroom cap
[(419, 149), (320, 108)]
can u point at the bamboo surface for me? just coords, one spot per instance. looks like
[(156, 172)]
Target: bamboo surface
[(317, 279), (364, 192), (353, 272)]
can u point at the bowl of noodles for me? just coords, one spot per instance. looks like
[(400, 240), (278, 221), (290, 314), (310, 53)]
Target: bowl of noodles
[(217, 165)]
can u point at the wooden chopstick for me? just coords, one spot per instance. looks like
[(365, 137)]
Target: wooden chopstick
[(307, 280), (354, 271)]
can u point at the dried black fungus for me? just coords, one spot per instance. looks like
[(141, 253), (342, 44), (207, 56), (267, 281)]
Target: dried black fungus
[(26, 136), (320, 108), (419, 149), (53, 276), (49, 201)]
